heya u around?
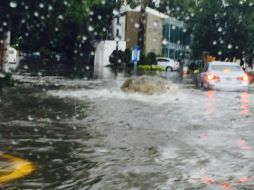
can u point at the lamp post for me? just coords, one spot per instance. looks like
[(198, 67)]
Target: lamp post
[(117, 38)]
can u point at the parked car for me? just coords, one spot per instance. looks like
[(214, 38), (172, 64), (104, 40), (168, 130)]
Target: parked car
[(222, 76), (168, 64)]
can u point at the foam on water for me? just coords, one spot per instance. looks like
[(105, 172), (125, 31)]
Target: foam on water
[(118, 94)]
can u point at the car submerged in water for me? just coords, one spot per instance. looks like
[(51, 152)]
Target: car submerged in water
[(219, 75)]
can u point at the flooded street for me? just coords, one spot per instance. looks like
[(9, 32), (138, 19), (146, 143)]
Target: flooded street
[(91, 135)]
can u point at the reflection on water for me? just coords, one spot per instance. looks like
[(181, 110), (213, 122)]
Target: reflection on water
[(213, 101), (210, 103), (245, 103), (42, 130)]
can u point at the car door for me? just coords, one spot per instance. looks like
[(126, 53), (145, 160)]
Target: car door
[(164, 63)]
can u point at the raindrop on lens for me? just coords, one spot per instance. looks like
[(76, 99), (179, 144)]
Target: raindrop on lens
[(30, 118), (155, 24), (90, 28), (41, 5), (229, 46), (13, 4), (36, 14), (61, 17), (136, 25), (115, 12), (50, 8), (13, 142), (84, 38)]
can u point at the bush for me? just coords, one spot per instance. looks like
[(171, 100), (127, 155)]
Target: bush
[(45, 53), (151, 59), (6, 81), (143, 68), (121, 59)]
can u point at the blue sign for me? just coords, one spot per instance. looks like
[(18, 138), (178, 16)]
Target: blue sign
[(135, 54)]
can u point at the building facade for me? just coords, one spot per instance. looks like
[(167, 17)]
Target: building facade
[(176, 40), (129, 26), (165, 36)]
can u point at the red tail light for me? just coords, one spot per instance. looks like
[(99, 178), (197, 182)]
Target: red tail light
[(212, 77), (243, 78)]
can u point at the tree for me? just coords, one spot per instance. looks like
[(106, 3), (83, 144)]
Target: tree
[(224, 28), (180, 9), (59, 26)]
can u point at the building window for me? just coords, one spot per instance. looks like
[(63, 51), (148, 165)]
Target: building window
[(166, 31)]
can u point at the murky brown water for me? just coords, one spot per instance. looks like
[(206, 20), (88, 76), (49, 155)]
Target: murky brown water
[(94, 136)]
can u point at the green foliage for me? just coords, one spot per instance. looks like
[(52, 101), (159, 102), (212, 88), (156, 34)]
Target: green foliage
[(120, 60), (66, 27), (223, 28), (6, 81), (150, 59), (180, 9), (150, 68)]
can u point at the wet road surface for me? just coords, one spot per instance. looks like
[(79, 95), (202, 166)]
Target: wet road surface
[(90, 135)]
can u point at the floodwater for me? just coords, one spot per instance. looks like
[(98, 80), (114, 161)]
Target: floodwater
[(91, 135)]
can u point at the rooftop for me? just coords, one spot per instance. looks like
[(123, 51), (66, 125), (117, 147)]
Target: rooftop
[(149, 10)]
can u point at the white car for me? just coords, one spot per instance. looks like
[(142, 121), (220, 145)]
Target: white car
[(168, 64), (218, 75)]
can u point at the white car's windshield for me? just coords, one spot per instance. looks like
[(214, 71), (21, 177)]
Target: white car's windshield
[(232, 68)]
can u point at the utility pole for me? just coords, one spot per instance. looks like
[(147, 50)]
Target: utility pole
[(6, 45), (117, 38)]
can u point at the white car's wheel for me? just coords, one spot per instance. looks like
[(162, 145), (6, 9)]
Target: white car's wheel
[(169, 69)]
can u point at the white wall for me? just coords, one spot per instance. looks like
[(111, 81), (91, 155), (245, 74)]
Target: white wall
[(103, 51)]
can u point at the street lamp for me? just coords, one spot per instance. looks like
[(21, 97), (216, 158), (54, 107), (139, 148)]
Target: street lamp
[(117, 38)]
